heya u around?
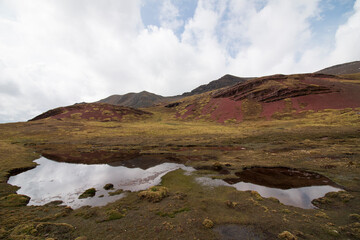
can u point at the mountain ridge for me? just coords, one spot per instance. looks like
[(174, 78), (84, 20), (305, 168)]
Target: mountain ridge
[(146, 99), (225, 81)]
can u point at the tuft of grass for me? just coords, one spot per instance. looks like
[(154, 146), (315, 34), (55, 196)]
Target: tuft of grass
[(154, 194), (14, 200)]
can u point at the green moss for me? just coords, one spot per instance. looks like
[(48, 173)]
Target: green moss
[(88, 193), (114, 215), (173, 213), (117, 192)]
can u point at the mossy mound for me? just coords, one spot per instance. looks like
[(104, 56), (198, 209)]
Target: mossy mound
[(117, 192), (333, 200), (14, 200), (109, 186), (88, 193), (115, 214), (40, 230), (154, 194)]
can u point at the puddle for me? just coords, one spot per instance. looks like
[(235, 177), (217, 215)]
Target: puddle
[(281, 177), (52, 181), (290, 186)]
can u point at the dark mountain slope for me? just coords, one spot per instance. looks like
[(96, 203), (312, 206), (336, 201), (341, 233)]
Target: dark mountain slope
[(225, 81), (345, 68), (136, 100)]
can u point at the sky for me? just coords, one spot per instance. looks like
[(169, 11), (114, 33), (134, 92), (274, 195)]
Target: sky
[(59, 52)]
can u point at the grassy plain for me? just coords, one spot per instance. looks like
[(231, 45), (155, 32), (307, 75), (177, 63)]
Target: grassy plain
[(326, 142)]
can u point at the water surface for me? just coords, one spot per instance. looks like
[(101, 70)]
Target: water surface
[(52, 181), (298, 197)]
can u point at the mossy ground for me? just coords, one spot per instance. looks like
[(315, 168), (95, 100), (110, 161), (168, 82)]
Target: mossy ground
[(327, 142)]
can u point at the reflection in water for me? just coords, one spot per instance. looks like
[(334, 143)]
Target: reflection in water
[(51, 181), (298, 197)]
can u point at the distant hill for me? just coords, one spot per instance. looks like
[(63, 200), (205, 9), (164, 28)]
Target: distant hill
[(93, 112), (345, 68), (225, 81), (146, 99), (136, 100)]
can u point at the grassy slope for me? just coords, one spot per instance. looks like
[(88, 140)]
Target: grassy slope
[(315, 142)]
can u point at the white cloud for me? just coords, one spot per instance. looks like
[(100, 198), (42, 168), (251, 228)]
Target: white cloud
[(55, 53), (348, 38), (169, 16)]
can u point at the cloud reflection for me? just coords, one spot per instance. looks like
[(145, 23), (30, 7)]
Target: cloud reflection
[(52, 180)]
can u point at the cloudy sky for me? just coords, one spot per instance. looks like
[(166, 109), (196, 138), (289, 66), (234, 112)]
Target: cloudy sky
[(59, 52)]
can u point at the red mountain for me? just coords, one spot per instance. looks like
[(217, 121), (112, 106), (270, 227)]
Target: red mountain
[(93, 111), (272, 96)]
